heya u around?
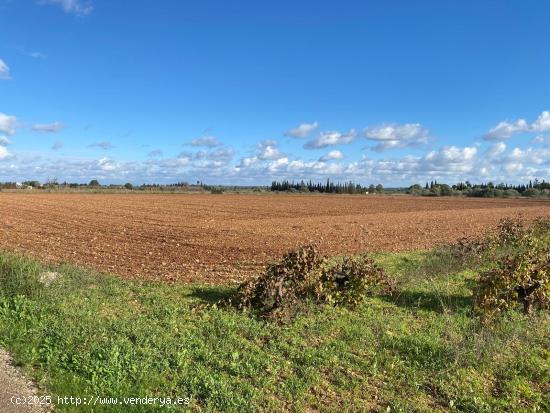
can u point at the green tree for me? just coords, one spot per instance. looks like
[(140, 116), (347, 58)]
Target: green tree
[(445, 190), (34, 184), (415, 189)]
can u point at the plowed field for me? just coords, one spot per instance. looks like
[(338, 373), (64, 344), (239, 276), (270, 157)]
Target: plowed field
[(218, 238)]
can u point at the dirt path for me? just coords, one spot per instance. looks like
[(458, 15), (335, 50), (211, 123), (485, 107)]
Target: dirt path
[(14, 388)]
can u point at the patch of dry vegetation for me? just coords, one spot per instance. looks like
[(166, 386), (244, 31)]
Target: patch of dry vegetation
[(303, 275)]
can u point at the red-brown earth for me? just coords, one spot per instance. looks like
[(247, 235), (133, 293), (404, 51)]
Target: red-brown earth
[(221, 238)]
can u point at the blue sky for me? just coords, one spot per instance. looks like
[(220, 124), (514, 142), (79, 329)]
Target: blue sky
[(392, 92)]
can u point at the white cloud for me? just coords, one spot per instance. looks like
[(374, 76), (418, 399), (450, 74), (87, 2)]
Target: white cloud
[(331, 156), (303, 130), (390, 136), (4, 154), (157, 153), (183, 159), (517, 165), (506, 129), (315, 168), (77, 7), (267, 154), (211, 165), (269, 150), (4, 70), (207, 141), (36, 55), (107, 164), (513, 167), (495, 150), (448, 164), (542, 124), (535, 156), (247, 162), (105, 145), (57, 145), (215, 161), (7, 124), (48, 127), (331, 138), (450, 160), (542, 140), (277, 164), (222, 154)]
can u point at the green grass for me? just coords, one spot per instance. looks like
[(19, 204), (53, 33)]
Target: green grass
[(425, 351)]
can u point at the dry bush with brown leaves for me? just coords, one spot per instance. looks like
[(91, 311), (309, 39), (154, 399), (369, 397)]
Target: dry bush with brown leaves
[(522, 274), (303, 275)]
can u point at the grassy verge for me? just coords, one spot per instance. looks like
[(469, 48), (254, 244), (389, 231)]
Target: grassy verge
[(95, 334)]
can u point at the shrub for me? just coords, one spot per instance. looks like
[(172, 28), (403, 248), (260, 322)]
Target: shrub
[(282, 283), (470, 248), (303, 275), (509, 231), (350, 280), (518, 278), (445, 190), (414, 190), (511, 193), (531, 192), (508, 237), (541, 226), (522, 274)]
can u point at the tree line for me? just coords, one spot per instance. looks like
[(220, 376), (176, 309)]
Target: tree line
[(534, 188), (328, 187)]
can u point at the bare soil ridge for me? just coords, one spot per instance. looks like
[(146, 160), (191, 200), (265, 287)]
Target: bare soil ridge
[(220, 238)]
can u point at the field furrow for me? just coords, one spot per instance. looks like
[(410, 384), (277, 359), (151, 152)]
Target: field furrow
[(213, 238)]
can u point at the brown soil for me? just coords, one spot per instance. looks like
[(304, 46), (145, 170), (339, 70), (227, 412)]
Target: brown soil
[(219, 238)]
